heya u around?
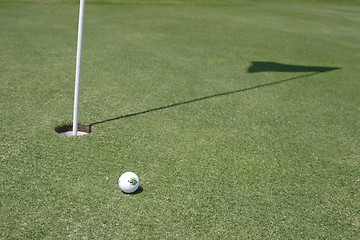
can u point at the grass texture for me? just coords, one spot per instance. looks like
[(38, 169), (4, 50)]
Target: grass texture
[(222, 152)]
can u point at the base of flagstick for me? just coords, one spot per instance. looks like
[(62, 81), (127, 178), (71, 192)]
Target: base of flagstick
[(66, 130)]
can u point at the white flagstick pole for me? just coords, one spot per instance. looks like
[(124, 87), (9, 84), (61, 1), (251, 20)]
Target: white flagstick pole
[(78, 65)]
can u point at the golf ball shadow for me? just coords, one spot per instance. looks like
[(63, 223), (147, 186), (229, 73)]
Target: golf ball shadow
[(138, 191)]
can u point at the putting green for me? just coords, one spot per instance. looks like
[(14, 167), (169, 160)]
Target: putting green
[(241, 119)]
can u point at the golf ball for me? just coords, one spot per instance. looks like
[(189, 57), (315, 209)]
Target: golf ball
[(129, 182)]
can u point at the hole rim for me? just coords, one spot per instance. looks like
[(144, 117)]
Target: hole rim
[(85, 129)]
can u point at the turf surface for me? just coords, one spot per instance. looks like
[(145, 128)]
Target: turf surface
[(240, 117)]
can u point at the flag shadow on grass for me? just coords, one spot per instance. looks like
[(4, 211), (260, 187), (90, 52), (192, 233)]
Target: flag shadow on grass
[(256, 67), (280, 67)]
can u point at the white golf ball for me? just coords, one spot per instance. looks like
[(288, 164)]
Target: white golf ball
[(129, 182)]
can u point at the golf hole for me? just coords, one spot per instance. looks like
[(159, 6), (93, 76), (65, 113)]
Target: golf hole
[(66, 130)]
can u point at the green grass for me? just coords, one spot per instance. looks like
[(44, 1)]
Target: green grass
[(221, 153)]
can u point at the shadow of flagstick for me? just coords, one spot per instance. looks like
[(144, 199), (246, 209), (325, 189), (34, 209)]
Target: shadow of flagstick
[(204, 98)]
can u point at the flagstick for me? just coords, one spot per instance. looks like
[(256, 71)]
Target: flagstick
[(78, 65)]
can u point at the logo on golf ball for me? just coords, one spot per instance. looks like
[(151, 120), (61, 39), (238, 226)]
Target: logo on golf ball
[(129, 182), (133, 181)]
